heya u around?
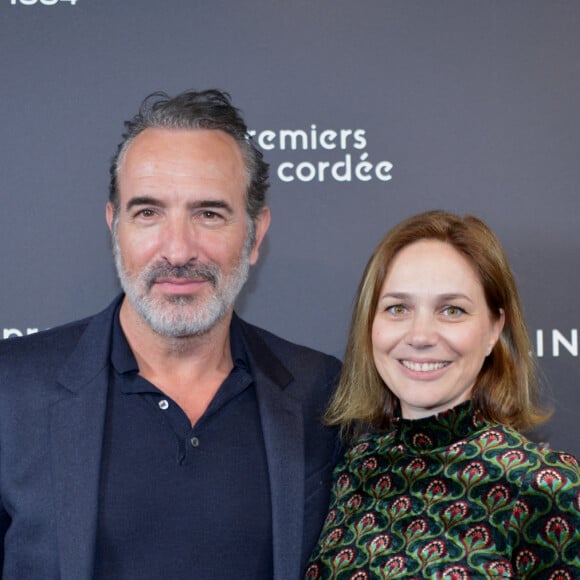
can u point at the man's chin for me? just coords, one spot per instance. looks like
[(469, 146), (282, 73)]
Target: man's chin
[(179, 299), (179, 323)]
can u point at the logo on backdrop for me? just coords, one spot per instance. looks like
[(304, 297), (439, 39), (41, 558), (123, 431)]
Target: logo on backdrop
[(12, 332), (547, 343), (555, 343), (345, 152), (42, 2)]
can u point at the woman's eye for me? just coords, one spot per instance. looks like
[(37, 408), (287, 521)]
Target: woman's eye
[(397, 309), (453, 311)]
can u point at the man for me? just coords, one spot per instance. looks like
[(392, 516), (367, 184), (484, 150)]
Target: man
[(165, 437)]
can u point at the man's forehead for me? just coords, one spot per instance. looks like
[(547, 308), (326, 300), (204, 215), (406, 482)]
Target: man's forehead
[(202, 160), (152, 137), (161, 147)]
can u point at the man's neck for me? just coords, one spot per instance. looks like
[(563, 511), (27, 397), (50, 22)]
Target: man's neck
[(189, 369)]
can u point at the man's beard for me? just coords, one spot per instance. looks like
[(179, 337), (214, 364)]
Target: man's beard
[(186, 315)]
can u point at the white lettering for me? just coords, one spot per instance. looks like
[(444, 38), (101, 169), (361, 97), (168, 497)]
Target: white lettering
[(363, 169), (41, 2), (305, 171), (382, 170), (294, 139), (266, 140), (559, 339), (360, 141), (8, 332), (346, 175), (540, 343), (281, 175), (327, 139), (322, 165), (343, 169), (12, 332), (344, 134), (293, 136), (313, 137)]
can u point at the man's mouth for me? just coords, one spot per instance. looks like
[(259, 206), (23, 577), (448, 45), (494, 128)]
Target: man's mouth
[(182, 275), (423, 367), (181, 281)]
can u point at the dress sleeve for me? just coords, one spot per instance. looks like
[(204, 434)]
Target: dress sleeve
[(544, 526)]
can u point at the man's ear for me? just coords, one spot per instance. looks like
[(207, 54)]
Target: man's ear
[(110, 214), (261, 223)]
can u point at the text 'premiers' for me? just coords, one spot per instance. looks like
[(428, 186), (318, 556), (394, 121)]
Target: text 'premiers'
[(42, 2), (352, 164)]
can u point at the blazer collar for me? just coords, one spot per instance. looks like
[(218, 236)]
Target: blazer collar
[(91, 353), (77, 423)]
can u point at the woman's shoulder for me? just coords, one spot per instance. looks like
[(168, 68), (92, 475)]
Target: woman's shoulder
[(541, 451), (545, 468)]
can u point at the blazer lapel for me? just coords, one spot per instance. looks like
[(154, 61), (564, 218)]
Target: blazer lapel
[(282, 425), (76, 437)]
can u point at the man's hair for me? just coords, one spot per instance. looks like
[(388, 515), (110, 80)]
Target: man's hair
[(505, 389), (211, 109)]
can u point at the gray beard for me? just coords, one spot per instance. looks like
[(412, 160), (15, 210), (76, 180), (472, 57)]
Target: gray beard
[(180, 316)]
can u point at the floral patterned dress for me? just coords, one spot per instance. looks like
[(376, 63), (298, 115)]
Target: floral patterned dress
[(451, 497)]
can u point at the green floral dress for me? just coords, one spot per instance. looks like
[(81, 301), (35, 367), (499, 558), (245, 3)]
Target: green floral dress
[(451, 497)]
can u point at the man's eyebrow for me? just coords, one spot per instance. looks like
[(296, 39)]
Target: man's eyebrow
[(143, 200), (200, 204), (211, 204)]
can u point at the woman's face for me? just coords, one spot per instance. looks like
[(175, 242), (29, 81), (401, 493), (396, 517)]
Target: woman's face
[(432, 329)]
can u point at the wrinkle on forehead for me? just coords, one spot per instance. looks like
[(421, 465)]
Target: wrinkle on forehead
[(211, 157)]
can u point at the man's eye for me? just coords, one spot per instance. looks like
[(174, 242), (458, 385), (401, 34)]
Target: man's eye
[(209, 217), (146, 213)]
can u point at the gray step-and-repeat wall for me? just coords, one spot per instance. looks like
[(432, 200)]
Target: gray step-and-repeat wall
[(367, 110)]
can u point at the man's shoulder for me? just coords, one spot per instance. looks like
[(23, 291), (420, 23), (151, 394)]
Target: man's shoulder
[(47, 346), (52, 339)]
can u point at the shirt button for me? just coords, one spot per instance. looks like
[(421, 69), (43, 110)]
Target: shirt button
[(163, 404), (194, 442)]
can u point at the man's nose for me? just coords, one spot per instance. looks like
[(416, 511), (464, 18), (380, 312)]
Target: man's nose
[(180, 241)]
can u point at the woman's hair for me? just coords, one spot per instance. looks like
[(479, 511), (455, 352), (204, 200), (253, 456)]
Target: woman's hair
[(505, 390)]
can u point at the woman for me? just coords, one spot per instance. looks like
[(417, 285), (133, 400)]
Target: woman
[(438, 372)]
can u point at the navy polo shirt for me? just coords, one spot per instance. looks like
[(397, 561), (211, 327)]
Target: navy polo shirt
[(179, 501)]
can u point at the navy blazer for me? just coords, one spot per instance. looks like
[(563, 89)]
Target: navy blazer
[(53, 391)]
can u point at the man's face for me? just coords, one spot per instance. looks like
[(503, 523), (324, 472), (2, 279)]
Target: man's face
[(180, 236)]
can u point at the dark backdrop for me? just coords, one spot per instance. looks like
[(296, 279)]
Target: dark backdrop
[(466, 106)]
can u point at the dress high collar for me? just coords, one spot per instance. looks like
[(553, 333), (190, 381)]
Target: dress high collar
[(439, 431)]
